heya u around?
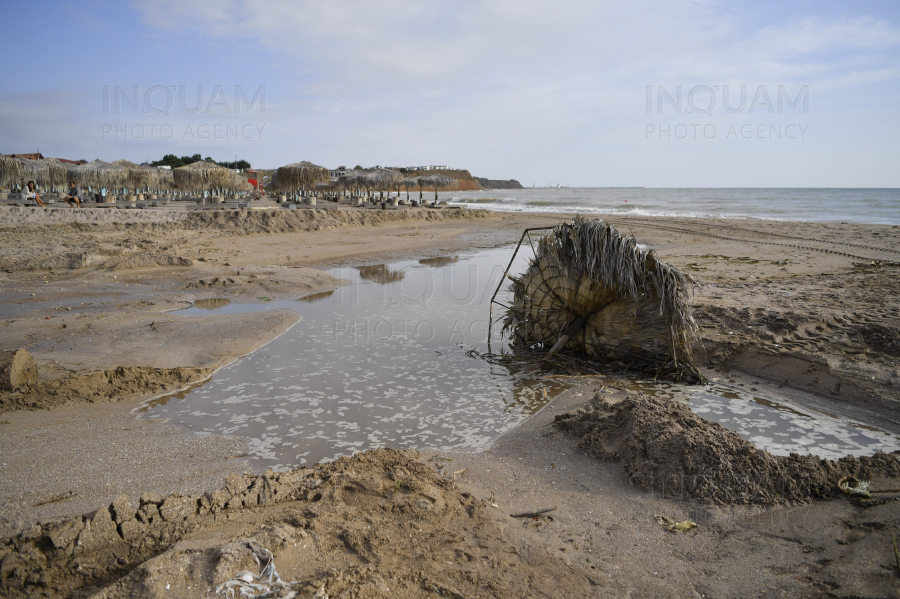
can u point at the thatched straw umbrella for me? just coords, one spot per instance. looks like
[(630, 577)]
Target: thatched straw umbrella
[(382, 178), (299, 176), (436, 181), (56, 170), (97, 175), (165, 179), (11, 171), (139, 177), (204, 176), (590, 289), (35, 170), (354, 180), (410, 182)]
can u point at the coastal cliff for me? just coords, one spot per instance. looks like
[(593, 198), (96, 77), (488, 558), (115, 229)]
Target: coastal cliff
[(466, 182), (498, 183)]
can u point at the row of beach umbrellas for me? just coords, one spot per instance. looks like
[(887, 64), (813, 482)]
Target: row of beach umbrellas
[(305, 176), (121, 174), (206, 176)]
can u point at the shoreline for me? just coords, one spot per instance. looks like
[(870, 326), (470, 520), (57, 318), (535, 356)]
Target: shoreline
[(512, 470)]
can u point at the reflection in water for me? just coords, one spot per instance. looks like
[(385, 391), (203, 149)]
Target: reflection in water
[(316, 296), (439, 261), (212, 303), (380, 273), (395, 362)]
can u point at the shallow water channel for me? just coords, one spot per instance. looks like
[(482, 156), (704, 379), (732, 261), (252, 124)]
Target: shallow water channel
[(396, 358)]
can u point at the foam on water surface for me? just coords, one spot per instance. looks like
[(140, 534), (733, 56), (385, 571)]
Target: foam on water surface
[(396, 358)]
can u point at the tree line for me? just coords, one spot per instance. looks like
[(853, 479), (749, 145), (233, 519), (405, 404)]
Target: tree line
[(174, 161)]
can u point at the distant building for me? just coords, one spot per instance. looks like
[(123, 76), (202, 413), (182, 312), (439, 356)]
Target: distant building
[(33, 156)]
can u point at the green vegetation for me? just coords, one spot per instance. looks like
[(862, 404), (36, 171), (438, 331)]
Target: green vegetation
[(174, 161)]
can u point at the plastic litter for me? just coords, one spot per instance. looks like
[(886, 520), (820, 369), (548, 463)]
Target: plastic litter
[(673, 525), (854, 488), (250, 585)]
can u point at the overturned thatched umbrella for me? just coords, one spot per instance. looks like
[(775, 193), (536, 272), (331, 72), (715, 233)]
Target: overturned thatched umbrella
[(590, 289), (97, 175), (436, 181), (11, 171), (299, 176), (204, 176)]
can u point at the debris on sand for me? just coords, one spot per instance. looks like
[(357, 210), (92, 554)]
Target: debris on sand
[(592, 290), (674, 525), (17, 369), (341, 529), (666, 448)]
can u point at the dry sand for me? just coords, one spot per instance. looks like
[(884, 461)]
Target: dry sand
[(808, 311)]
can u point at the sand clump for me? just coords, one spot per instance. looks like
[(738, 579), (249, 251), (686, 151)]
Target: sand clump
[(17, 369), (116, 384), (378, 524), (667, 449)]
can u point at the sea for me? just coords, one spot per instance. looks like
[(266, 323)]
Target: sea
[(871, 206)]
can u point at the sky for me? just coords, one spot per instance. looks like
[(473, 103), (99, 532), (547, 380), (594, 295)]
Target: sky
[(579, 93)]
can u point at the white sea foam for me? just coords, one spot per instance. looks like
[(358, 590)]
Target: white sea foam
[(875, 206)]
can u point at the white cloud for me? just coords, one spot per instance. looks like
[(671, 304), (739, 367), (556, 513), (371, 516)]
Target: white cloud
[(525, 89)]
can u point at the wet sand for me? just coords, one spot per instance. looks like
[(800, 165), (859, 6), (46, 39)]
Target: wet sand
[(805, 310)]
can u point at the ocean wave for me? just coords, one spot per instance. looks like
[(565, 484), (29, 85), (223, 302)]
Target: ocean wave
[(555, 208), (875, 206)]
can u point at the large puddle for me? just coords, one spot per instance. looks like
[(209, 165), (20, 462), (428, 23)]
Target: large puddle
[(396, 358)]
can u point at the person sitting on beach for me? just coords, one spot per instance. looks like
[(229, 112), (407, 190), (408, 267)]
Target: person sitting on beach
[(72, 198), (31, 193)]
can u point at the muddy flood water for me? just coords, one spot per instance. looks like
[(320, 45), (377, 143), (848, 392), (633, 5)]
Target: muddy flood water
[(397, 358)]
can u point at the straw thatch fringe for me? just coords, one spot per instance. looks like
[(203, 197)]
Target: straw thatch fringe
[(436, 181), (98, 174), (299, 176), (57, 171), (11, 171), (139, 177), (636, 307), (382, 178), (409, 183), (35, 170), (206, 176)]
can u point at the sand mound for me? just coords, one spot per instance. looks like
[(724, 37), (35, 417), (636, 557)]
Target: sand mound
[(379, 524), (231, 221), (287, 221), (667, 449), (109, 385)]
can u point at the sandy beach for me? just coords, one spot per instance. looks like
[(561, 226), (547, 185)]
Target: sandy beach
[(96, 502)]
